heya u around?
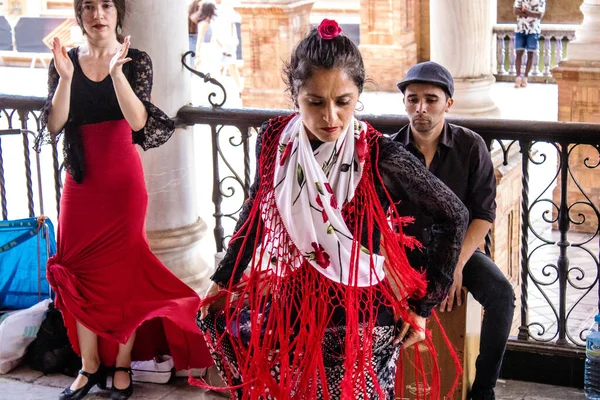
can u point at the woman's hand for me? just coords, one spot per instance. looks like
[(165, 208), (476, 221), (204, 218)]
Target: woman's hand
[(409, 335), (116, 63), (212, 291), (62, 62)]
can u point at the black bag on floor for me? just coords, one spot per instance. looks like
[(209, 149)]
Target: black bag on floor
[(51, 351)]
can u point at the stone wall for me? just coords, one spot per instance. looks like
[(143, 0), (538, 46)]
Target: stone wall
[(506, 230), (422, 31), (579, 101), (387, 40), (557, 12)]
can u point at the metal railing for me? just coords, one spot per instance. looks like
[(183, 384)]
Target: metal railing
[(545, 219), (551, 51)]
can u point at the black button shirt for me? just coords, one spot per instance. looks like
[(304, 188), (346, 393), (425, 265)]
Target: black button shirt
[(462, 161)]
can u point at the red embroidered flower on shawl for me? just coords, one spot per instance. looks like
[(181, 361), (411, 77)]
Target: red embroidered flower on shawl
[(328, 188), (329, 29), (319, 201), (333, 202), (319, 255), (361, 147), (286, 153)]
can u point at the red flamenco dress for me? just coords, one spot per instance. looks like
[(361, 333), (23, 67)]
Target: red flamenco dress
[(104, 273)]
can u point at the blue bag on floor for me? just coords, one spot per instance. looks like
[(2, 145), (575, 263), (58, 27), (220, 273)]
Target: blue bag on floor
[(25, 246)]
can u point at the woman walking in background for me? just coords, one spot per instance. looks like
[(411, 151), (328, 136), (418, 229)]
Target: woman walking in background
[(118, 301), (208, 12)]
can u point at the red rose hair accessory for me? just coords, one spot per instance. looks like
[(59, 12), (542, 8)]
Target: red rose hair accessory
[(329, 29)]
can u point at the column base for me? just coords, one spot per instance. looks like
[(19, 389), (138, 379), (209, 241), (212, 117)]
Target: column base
[(179, 250), (472, 97)]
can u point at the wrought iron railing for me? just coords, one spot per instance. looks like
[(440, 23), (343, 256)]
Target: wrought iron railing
[(551, 50), (562, 282)]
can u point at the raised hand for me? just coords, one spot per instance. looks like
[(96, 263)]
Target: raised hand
[(62, 62), (116, 63)]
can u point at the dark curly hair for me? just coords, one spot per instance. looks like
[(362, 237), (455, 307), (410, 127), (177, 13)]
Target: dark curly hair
[(313, 53), (121, 7)]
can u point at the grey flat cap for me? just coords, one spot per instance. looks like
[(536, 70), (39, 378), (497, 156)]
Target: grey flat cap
[(428, 72)]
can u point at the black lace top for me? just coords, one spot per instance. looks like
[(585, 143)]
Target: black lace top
[(405, 178), (94, 102)]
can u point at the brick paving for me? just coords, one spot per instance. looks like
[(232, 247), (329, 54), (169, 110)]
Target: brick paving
[(25, 384)]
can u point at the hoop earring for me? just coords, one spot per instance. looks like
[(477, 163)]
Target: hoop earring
[(359, 108)]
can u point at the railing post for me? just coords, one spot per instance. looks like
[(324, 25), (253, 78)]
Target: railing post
[(558, 49), (217, 197), (524, 328), (501, 54), (563, 260), (2, 186), (246, 148), (57, 179), (547, 55), (536, 62), (512, 70), (23, 117)]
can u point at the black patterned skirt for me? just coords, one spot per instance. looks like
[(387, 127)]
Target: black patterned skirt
[(384, 359)]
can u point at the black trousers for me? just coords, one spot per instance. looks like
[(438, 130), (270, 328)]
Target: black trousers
[(488, 285)]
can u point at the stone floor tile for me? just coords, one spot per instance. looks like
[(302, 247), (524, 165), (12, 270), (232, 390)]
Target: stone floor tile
[(13, 390), (25, 374)]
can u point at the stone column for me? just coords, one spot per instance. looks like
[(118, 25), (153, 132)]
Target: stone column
[(174, 229), (462, 41), (578, 80), (387, 40), (270, 31)]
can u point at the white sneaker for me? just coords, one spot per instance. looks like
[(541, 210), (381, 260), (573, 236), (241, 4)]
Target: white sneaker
[(158, 370)]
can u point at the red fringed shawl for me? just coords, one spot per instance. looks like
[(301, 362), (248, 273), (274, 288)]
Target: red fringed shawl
[(289, 314)]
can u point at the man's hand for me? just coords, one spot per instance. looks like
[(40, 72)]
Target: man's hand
[(409, 335), (455, 291)]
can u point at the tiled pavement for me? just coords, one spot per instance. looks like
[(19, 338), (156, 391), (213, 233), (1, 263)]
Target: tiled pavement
[(25, 384)]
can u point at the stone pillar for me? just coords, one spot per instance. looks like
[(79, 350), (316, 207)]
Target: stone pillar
[(174, 229), (387, 40), (462, 40), (270, 31), (578, 80)]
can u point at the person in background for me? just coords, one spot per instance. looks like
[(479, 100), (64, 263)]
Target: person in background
[(459, 158), (224, 34), (193, 16), (529, 15), (118, 301), (208, 12)]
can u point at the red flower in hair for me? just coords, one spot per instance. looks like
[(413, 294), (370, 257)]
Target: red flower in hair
[(361, 147), (319, 255), (329, 29)]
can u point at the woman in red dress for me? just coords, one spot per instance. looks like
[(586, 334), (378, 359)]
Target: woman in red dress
[(119, 302)]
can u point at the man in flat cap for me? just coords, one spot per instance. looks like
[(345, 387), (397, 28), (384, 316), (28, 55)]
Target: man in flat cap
[(458, 157)]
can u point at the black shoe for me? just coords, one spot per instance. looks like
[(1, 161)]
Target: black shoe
[(122, 394), (97, 378)]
